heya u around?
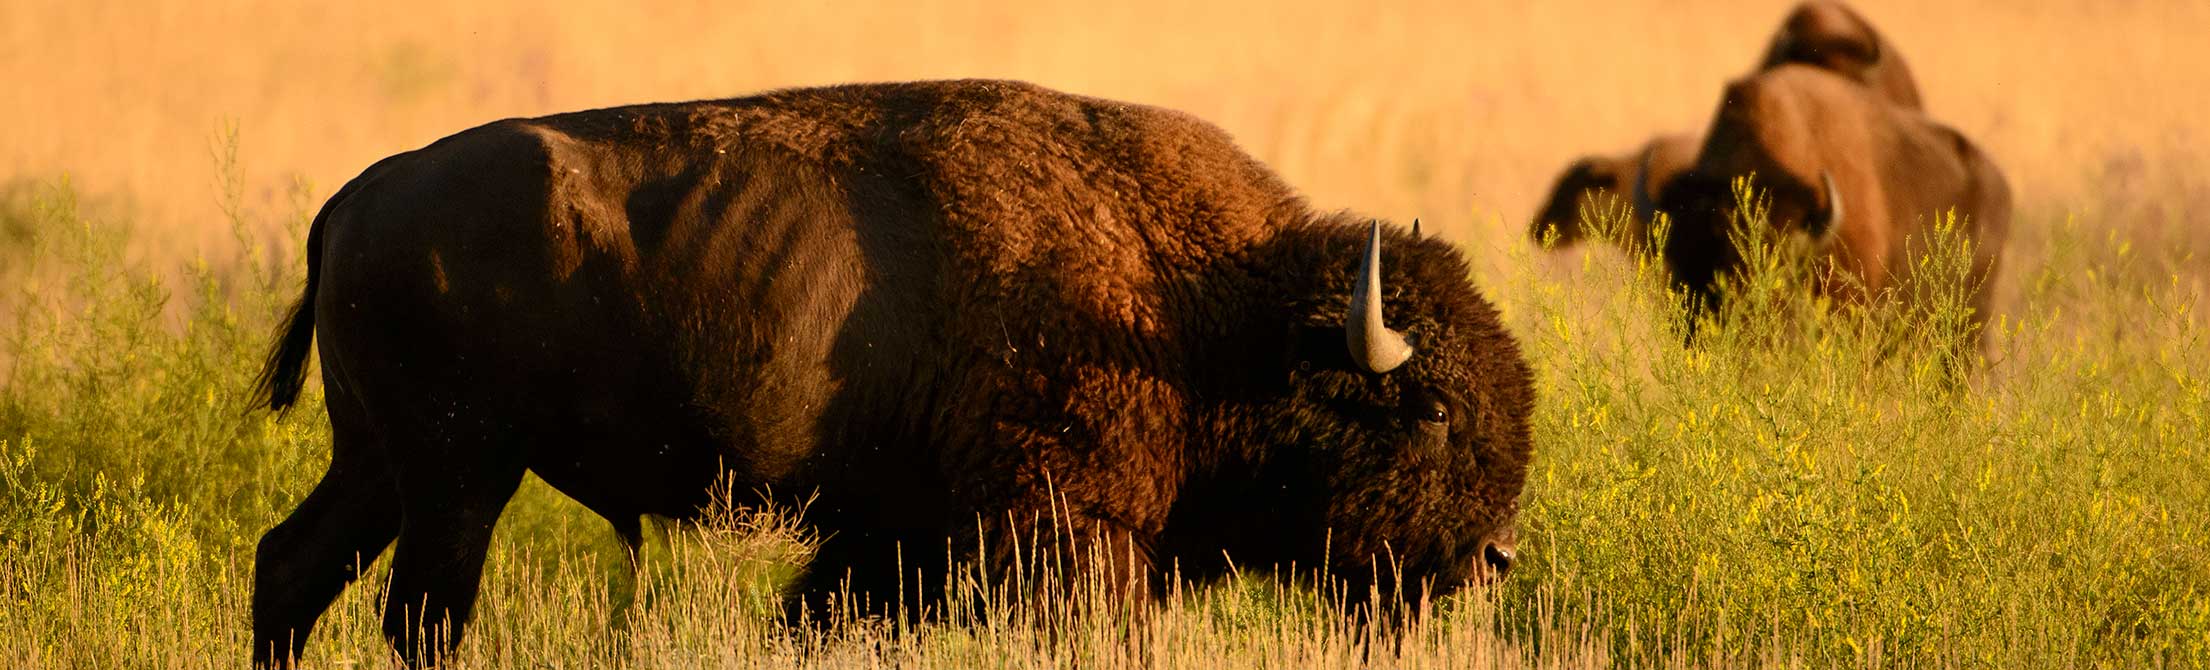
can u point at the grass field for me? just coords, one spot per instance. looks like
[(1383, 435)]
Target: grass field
[(1783, 494)]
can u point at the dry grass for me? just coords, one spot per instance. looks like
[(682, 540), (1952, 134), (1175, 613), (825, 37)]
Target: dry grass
[(1455, 112), (1781, 496)]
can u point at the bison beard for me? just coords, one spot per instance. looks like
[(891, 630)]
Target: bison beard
[(941, 309)]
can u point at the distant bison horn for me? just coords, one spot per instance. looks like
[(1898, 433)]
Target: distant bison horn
[(1834, 208), (1645, 208), (1415, 229), (1373, 344)]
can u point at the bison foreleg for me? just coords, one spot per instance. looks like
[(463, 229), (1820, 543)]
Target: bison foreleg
[(1082, 561), (859, 572)]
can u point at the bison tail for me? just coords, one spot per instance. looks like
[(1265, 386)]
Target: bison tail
[(285, 373)]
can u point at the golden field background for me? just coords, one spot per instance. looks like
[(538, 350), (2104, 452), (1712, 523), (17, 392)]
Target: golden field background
[(1789, 492), (1459, 113)]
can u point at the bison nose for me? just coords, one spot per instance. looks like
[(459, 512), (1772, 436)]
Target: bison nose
[(1499, 558)]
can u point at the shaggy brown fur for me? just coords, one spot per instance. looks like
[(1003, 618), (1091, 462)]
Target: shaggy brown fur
[(1830, 35), (1589, 181), (1894, 169), (953, 309)]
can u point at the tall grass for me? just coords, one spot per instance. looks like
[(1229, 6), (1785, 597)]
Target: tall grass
[(1808, 474), (1807, 484)]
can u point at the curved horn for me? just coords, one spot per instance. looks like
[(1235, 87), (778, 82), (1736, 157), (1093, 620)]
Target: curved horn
[(1373, 344), (1834, 209), (1644, 208)]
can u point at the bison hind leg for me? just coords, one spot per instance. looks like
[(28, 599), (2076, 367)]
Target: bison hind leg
[(302, 564), (451, 509)]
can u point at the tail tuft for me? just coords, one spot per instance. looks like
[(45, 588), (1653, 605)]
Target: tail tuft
[(285, 374)]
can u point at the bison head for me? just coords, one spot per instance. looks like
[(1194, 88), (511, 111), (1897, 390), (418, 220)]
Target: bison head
[(1583, 182), (1708, 220), (1630, 180), (1395, 454)]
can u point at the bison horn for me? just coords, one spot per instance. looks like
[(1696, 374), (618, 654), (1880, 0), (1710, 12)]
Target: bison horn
[(1834, 210), (1644, 208), (1373, 344), (1415, 229)]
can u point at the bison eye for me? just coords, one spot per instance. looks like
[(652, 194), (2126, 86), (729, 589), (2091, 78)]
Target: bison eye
[(1434, 413)]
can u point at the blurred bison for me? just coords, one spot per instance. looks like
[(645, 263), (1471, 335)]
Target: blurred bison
[(1818, 33), (1635, 177), (1829, 35), (1863, 178), (951, 309)]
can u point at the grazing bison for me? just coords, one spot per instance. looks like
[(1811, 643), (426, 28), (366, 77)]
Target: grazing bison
[(1818, 33), (1828, 34), (949, 309), (1635, 177), (1863, 178)]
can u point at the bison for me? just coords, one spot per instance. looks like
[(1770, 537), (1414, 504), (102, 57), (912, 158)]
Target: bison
[(1828, 34), (943, 310), (1818, 33), (1635, 176), (1864, 179)]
